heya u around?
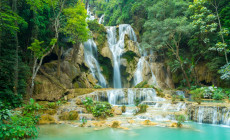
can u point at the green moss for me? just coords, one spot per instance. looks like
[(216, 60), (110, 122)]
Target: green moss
[(76, 85), (129, 56), (142, 84), (107, 67), (99, 33)]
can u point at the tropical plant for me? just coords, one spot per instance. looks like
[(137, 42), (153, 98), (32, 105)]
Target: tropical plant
[(180, 119)]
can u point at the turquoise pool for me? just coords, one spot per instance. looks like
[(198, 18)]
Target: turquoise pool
[(196, 132)]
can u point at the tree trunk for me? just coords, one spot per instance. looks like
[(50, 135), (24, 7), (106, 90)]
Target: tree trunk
[(220, 27), (182, 68), (14, 8), (59, 61)]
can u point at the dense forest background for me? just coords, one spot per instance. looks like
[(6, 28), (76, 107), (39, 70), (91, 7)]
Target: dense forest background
[(183, 32)]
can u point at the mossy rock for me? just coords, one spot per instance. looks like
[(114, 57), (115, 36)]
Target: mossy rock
[(72, 115), (47, 119), (50, 111)]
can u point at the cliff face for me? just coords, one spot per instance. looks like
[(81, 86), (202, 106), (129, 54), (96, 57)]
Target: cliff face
[(75, 73)]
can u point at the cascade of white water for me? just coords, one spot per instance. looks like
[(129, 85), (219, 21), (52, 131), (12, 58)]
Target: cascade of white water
[(226, 116), (114, 96), (90, 53), (138, 73), (101, 20), (90, 14), (180, 93), (215, 114), (200, 114), (117, 47)]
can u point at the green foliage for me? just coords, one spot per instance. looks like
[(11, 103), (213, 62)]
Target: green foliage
[(97, 87), (99, 33), (129, 56), (180, 119), (76, 26), (141, 84), (197, 95), (98, 109), (181, 97), (142, 108), (174, 97), (137, 101), (88, 103), (225, 72), (20, 124)]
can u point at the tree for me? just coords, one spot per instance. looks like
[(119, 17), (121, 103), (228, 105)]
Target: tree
[(76, 26), (39, 52), (165, 29)]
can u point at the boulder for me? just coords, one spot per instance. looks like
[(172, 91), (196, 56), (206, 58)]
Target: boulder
[(46, 119)]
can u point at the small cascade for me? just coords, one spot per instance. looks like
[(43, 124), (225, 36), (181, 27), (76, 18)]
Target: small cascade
[(200, 114), (101, 20), (117, 47), (114, 96), (180, 93), (138, 73), (215, 113), (90, 53), (90, 14), (212, 114)]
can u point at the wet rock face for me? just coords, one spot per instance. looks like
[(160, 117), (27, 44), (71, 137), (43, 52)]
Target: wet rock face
[(209, 114)]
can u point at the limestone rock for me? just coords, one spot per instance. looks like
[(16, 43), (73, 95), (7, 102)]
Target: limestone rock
[(105, 52), (91, 79), (47, 119), (78, 101), (117, 111), (148, 122)]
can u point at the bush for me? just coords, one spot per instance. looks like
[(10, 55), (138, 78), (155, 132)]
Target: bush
[(197, 95), (136, 101), (181, 97), (180, 119), (20, 124), (98, 109), (19, 127), (174, 97), (97, 87), (141, 84), (142, 108)]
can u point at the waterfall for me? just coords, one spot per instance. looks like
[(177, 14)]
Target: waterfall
[(90, 53), (138, 73), (180, 93), (200, 114), (90, 15), (215, 113), (117, 47), (101, 20)]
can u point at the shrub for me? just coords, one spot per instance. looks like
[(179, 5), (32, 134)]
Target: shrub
[(88, 103), (181, 97), (97, 87), (197, 95), (180, 119), (174, 97), (98, 109), (143, 108), (136, 101), (141, 84), (20, 124), (123, 109), (19, 127), (101, 109)]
